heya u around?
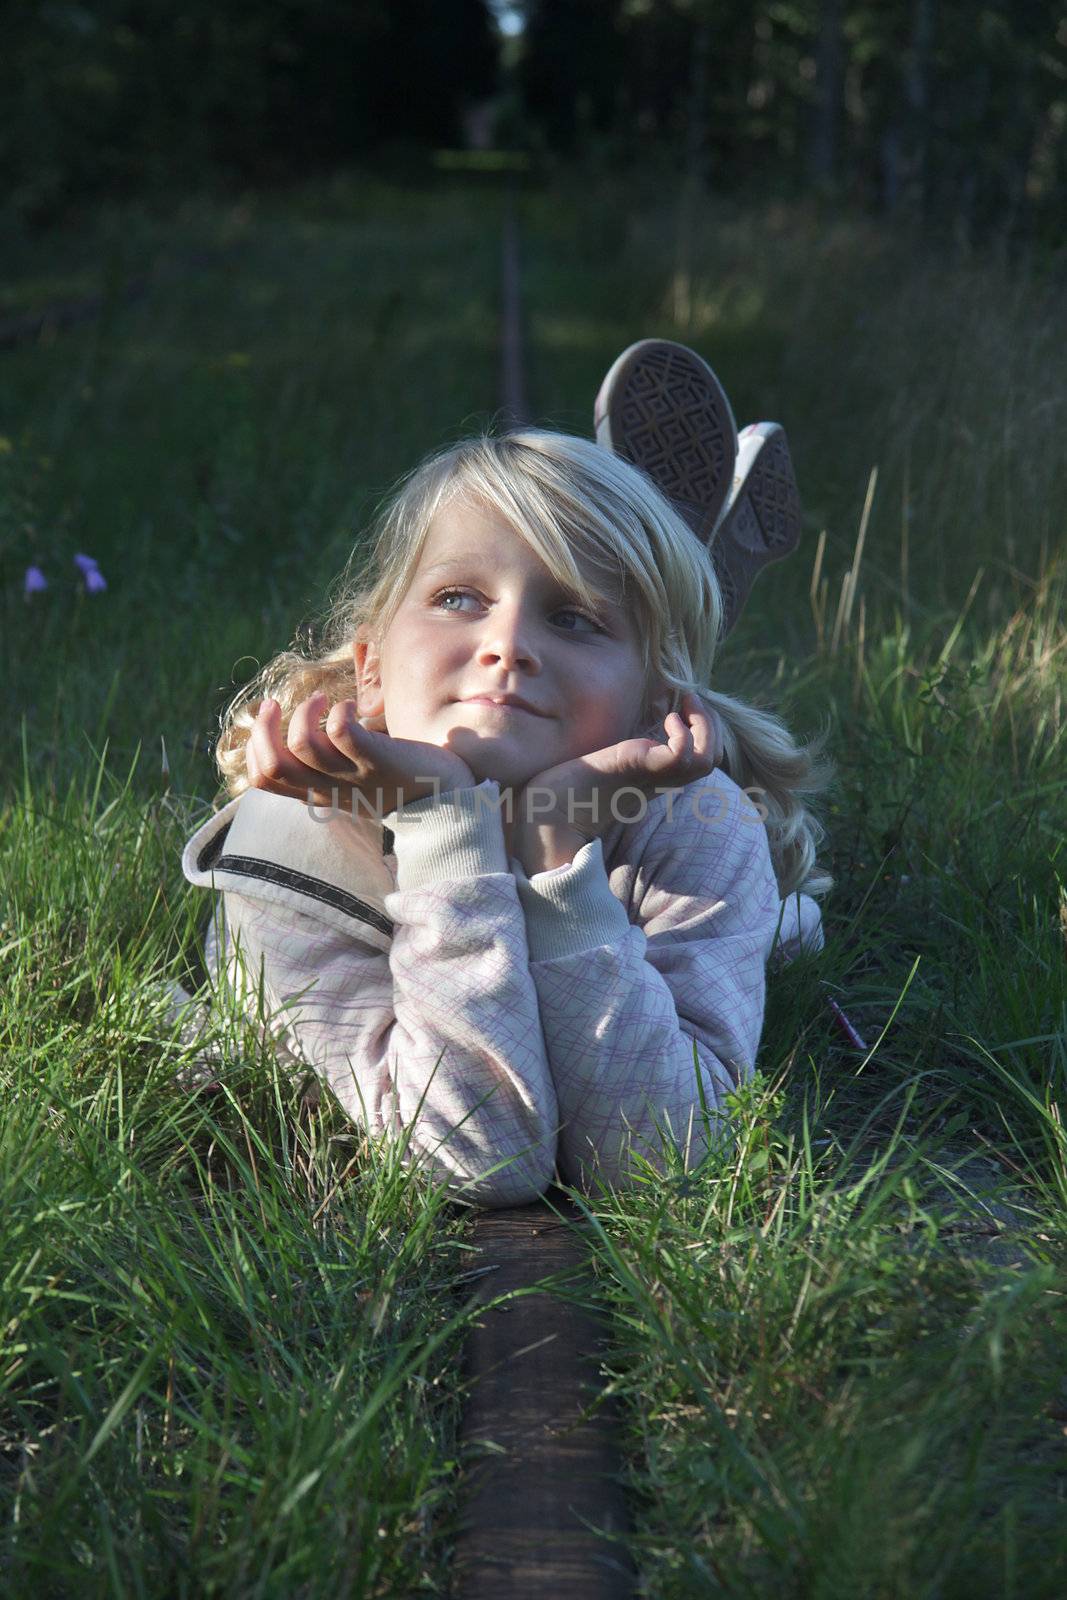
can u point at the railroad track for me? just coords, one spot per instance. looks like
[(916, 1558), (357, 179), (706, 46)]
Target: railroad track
[(538, 1441)]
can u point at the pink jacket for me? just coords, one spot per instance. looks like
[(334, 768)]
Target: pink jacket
[(521, 1028)]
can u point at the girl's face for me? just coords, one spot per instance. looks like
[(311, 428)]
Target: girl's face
[(483, 616)]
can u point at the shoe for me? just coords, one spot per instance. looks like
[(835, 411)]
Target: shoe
[(663, 408), (762, 520)]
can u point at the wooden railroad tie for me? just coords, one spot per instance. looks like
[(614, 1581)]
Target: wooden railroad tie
[(538, 1446)]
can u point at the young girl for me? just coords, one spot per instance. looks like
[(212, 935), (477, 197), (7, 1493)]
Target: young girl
[(500, 866)]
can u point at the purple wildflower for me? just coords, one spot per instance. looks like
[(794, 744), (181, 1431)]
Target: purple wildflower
[(85, 564), (35, 581), (94, 581)]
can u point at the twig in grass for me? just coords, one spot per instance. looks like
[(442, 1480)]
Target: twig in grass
[(777, 1206), (818, 600), (168, 1404), (958, 624), (1000, 1155), (870, 1051), (255, 1173), (335, 1186), (851, 578), (860, 645), (845, 1025)]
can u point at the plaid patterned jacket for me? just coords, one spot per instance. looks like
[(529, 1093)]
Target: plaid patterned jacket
[(521, 1028)]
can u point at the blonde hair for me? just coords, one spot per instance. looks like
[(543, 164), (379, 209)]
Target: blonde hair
[(572, 501)]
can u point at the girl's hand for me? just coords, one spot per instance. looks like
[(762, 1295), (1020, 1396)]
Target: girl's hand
[(347, 757), (693, 750)]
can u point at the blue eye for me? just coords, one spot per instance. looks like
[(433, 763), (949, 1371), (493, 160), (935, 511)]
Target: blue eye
[(575, 612), (459, 594)]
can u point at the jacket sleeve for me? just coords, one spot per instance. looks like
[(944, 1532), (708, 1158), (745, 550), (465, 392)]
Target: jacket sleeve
[(440, 1034), (633, 1011)]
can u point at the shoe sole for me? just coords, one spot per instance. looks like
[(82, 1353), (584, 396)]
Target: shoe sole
[(761, 525), (663, 408)]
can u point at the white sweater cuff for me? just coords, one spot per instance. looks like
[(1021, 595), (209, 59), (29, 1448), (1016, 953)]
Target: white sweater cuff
[(571, 908), (454, 835)]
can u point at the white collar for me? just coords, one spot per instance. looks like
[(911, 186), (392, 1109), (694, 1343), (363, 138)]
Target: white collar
[(268, 847)]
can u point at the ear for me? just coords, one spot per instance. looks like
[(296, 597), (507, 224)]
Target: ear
[(661, 705), (370, 698), (657, 708)]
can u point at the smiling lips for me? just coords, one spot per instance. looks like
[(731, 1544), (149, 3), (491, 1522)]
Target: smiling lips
[(504, 702)]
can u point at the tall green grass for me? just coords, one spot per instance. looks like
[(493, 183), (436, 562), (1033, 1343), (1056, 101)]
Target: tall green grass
[(220, 446), (840, 1345), (230, 1323)]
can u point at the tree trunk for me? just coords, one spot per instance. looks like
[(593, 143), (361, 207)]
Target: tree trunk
[(828, 86), (917, 93), (693, 178)]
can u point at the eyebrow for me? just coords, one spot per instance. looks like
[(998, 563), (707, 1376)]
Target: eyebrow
[(453, 561)]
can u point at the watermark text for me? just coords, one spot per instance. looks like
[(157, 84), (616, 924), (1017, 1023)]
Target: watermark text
[(540, 804)]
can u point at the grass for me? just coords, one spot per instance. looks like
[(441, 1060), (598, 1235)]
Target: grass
[(218, 447), (228, 1323), (838, 1379), (231, 1323)]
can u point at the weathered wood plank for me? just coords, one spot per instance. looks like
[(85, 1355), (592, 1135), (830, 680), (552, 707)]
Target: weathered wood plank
[(538, 1444)]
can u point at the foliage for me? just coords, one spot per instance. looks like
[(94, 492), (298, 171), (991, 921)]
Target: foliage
[(117, 97), (934, 108)]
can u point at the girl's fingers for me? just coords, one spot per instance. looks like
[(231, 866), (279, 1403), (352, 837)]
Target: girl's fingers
[(679, 737), (719, 751), (700, 723), (692, 740), (706, 730), (265, 765), (272, 771), (344, 729), (311, 764), (262, 766), (311, 743), (276, 766), (714, 745)]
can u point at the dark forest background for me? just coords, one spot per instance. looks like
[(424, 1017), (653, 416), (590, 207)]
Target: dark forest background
[(949, 112)]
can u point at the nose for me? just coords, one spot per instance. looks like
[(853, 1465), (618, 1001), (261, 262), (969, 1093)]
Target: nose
[(508, 639)]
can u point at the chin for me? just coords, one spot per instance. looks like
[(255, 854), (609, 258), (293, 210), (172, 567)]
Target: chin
[(507, 774), (501, 761)]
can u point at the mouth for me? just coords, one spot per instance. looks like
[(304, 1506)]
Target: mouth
[(502, 705)]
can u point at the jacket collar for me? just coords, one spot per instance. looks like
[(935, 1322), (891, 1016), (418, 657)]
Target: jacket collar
[(267, 847)]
